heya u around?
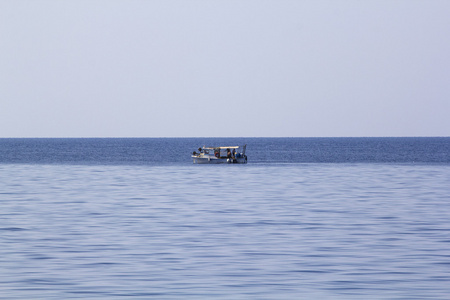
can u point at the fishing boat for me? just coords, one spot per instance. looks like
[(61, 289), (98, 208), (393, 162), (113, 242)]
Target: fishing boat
[(220, 155)]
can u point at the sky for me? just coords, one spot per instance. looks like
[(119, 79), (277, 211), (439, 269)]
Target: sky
[(248, 68)]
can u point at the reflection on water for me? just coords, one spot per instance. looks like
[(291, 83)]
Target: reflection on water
[(329, 231)]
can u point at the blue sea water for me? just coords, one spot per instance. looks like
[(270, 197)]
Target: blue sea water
[(306, 218)]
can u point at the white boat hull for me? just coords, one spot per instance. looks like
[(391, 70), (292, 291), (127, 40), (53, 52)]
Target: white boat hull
[(215, 160)]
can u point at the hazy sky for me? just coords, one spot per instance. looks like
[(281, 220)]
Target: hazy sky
[(224, 68)]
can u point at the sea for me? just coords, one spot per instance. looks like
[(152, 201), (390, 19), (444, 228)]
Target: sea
[(305, 218)]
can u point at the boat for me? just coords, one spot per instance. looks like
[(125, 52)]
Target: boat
[(220, 155)]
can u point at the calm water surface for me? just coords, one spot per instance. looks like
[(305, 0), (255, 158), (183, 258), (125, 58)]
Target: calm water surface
[(255, 231)]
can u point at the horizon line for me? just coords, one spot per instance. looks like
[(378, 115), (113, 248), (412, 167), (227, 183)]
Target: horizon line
[(219, 137)]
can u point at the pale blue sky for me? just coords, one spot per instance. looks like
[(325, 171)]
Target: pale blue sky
[(224, 68)]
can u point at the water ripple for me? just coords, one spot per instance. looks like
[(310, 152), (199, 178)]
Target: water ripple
[(290, 232)]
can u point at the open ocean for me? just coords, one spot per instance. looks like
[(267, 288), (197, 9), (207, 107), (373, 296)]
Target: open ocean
[(306, 218)]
